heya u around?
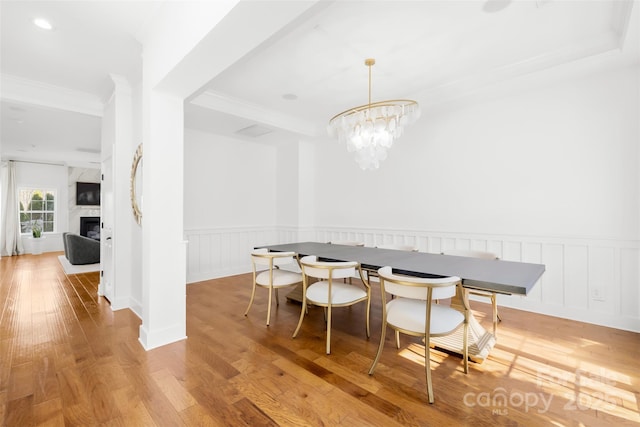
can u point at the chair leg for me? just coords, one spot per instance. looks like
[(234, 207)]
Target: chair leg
[(253, 294), (397, 339), (380, 346), (494, 306), (329, 329), (368, 311), (277, 299), (269, 306), (302, 313), (427, 367)]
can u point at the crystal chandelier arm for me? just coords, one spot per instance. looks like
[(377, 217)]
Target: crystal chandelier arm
[(387, 103)]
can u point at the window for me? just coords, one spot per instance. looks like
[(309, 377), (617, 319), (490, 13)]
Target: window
[(37, 208)]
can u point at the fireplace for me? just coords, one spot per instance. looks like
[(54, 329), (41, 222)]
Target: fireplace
[(90, 227)]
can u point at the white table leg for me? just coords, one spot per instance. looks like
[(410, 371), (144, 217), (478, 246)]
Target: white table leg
[(480, 340)]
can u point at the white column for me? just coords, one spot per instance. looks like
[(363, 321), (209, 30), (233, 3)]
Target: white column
[(123, 221), (183, 48), (177, 28), (163, 247)]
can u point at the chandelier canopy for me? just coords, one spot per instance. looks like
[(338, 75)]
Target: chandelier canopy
[(370, 130)]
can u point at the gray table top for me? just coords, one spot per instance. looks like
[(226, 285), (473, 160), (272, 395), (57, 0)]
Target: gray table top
[(506, 277)]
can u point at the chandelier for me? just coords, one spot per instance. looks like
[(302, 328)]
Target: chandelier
[(370, 130)]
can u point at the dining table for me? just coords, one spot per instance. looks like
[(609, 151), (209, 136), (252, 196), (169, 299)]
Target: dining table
[(489, 275)]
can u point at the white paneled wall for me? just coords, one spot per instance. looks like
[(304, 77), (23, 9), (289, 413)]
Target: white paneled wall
[(588, 280), (220, 252)]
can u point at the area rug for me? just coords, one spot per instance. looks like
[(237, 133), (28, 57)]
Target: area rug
[(77, 269)]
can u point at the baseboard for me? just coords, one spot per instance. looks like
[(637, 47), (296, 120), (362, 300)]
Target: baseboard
[(159, 337)]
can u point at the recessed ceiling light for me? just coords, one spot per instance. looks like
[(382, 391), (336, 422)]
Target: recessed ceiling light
[(290, 96), (43, 23)]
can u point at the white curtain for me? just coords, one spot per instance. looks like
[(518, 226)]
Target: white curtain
[(10, 240)]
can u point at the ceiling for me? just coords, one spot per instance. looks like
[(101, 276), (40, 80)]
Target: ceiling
[(437, 52)]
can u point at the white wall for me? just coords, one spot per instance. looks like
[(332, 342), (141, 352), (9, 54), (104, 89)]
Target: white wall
[(37, 175), (230, 186), (228, 183), (287, 181), (562, 161), (238, 195)]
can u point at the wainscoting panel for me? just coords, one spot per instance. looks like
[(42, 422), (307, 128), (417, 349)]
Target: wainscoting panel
[(576, 263), (531, 252), (552, 258), (630, 280), (221, 252), (590, 280), (602, 279)]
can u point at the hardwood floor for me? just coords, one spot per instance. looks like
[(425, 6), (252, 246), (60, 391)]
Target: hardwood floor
[(67, 359)]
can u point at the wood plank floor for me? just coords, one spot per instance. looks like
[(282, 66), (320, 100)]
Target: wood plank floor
[(67, 359)]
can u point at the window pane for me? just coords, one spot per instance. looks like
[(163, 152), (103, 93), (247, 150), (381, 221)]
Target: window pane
[(37, 207), (25, 199)]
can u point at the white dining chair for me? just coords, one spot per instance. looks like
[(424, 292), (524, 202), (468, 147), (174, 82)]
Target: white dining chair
[(329, 292), (495, 316), (267, 274), (347, 243), (408, 248), (413, 312)]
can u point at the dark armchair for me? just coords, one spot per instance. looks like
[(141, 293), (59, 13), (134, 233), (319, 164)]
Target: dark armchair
[(81, 250)]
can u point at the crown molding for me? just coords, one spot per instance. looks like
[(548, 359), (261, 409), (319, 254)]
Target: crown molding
[(121, 84), (599, 52), (33, 92)]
